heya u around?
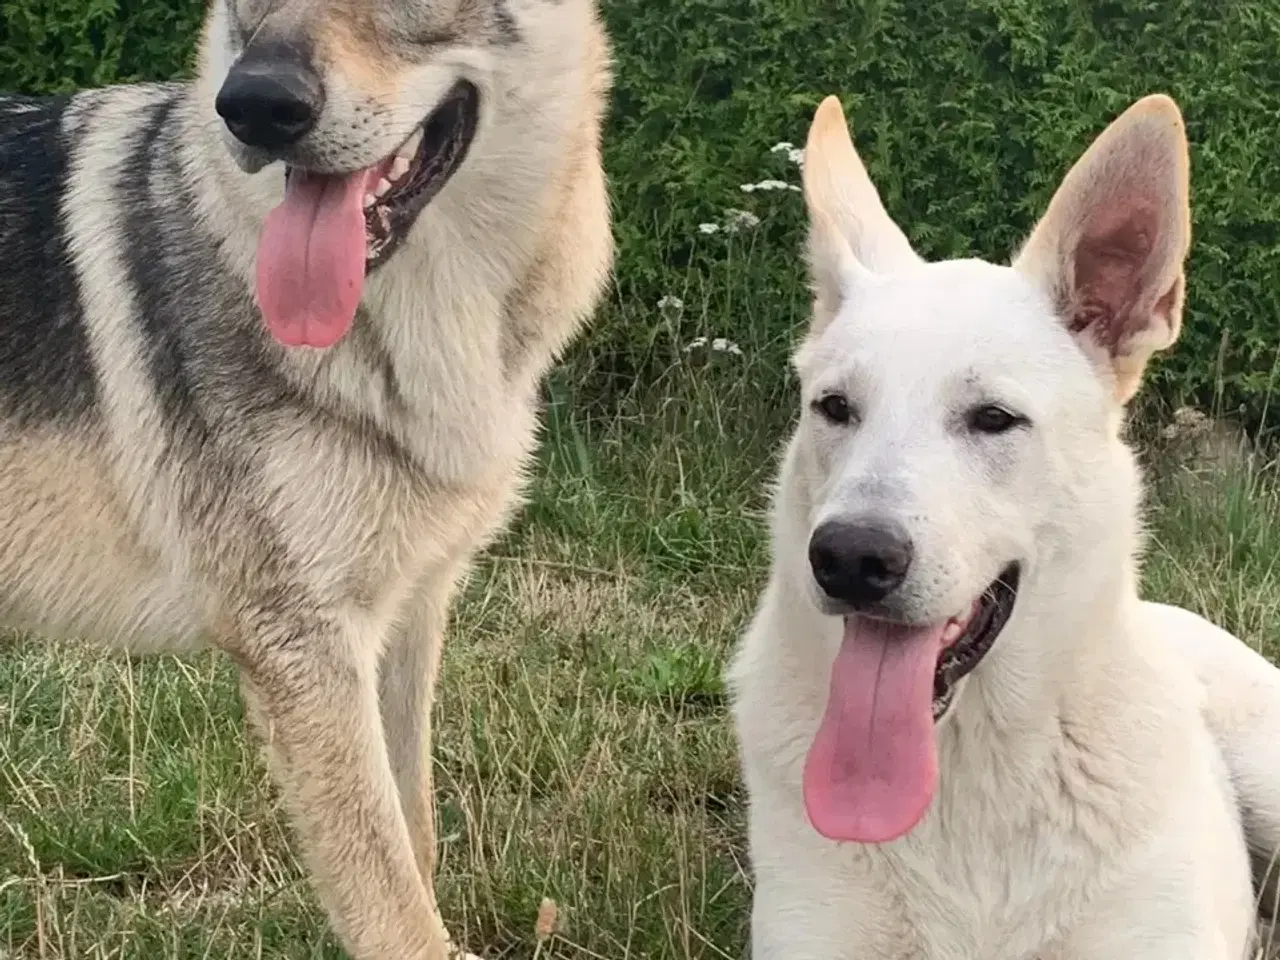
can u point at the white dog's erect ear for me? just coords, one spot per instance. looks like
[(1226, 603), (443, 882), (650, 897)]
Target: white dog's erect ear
[(851, 237), (1110, 249)]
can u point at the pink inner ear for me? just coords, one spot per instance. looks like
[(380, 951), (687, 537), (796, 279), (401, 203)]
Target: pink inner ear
[(1111, 271)]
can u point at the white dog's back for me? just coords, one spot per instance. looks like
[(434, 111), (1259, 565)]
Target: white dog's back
[(1242, 710)]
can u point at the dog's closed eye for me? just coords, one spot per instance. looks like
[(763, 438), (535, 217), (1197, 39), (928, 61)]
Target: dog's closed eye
[(991, 418)]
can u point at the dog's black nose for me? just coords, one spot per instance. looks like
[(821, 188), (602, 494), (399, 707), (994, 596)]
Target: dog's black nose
[(860, 561), (270, 103)]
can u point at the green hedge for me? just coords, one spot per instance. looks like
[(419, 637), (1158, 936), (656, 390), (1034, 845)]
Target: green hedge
[(967, 113)]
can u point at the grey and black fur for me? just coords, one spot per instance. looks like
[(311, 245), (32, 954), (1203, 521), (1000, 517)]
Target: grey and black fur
[(172, 477), (46, 373)]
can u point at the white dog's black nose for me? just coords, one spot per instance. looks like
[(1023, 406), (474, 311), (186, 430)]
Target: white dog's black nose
[(860, 562), (270, 102)]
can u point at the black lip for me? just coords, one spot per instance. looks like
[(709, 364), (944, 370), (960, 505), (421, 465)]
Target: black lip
[(994, 610), (447, 133)]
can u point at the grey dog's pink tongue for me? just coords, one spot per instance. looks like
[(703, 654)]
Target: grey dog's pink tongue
[(311, 258), (872, 769)]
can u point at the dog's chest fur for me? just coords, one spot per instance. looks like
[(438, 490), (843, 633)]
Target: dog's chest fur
[(981, 898), (1030, 828)]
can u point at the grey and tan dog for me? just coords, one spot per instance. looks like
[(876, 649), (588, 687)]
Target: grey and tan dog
[(270, 351)]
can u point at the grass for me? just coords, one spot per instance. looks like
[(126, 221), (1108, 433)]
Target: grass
[(583, 751)]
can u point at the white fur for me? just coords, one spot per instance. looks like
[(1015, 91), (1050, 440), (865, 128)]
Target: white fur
[(1086, 809)]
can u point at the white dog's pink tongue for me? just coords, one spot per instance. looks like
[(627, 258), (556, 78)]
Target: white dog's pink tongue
[(872, 769), (311, 259)]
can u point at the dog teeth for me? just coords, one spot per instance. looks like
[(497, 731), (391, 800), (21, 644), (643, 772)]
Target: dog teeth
[(952, 633), (383, 187), (369, 200), (410, 148), (399, 167)]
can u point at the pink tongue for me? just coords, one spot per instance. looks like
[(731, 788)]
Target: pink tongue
[(873, 766), (311, 259)]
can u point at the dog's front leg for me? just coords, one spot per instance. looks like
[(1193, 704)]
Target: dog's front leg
[(313, 693), (406, 687)]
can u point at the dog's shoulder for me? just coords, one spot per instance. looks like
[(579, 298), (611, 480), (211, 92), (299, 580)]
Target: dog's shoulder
[(45, 365)]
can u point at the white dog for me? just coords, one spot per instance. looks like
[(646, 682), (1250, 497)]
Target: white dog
[(965, 737)]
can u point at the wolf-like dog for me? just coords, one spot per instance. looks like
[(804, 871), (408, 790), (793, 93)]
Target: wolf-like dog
[(964, 735), (271, 346)]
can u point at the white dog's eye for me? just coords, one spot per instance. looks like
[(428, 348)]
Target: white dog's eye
[(990, 418), (835, 408)]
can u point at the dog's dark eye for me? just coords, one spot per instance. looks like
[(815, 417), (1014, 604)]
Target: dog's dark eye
[(992, 419), (835, 408)]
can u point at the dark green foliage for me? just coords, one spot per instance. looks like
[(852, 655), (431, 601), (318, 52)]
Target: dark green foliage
[(968, 113), (53, 46)]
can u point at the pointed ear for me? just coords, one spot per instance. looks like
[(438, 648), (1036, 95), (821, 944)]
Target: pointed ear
[(850, 235), (1111, 247)]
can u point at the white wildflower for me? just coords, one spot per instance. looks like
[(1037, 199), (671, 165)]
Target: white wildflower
[(794, 154), (708, 228), (670, 304), (768, 185), (718, 345), (721, 345), (735, 220)]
